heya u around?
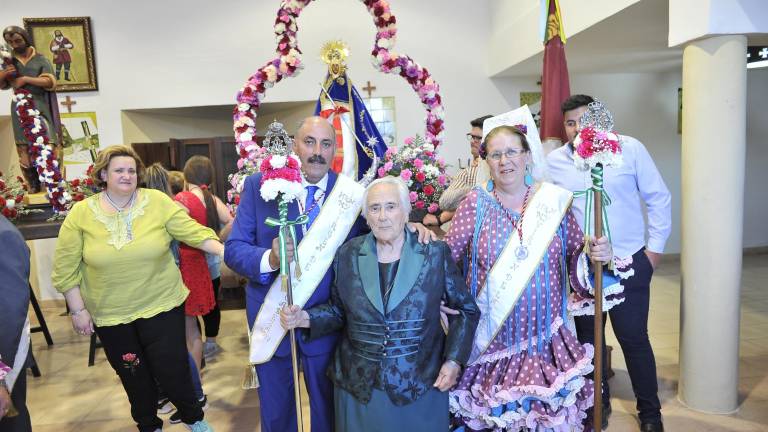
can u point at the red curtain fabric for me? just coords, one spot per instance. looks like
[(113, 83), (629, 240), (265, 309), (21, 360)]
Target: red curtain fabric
[(555, 87)]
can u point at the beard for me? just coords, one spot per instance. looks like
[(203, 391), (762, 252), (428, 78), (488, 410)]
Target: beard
[(21, 50)]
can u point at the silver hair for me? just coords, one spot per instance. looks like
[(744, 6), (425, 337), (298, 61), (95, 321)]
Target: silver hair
[(402, 191)]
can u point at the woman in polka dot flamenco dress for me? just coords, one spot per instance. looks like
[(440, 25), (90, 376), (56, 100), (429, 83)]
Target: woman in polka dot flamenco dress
[(520, 245)]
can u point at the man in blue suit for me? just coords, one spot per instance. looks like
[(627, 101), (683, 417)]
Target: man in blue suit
[(14, 336), (252, 251)]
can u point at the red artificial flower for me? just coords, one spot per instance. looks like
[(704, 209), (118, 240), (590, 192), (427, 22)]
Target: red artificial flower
[(2, 184), (429, 190), (419, 204), (2, 202), (19, 198), (75, 183), (129, 357), (79, 197), (237, 200), (420, 177), (89, 181), (6, 212)]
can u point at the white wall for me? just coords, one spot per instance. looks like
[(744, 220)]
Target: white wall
[(158, 54), (645, 107), (516, 30)]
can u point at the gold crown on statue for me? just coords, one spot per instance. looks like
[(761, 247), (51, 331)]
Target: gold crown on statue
[(277, 141), (597, 116), (334, 54)]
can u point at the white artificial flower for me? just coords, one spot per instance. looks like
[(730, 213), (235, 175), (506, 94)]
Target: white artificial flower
[(243, 107), (10, 203), (246, 136), (278, 161)]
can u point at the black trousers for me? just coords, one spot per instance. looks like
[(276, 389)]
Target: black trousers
[(21, 422), (629, 321), (159, 346), (212, 319)]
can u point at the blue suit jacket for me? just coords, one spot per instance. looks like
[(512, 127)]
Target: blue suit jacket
[(14, 290), (251, 237)]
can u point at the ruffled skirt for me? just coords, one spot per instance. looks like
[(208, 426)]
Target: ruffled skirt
[(522, 388)]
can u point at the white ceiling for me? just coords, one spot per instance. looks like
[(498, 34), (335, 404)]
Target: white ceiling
[(633, 40)]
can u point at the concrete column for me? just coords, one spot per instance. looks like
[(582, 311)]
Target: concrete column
[(713, 164)]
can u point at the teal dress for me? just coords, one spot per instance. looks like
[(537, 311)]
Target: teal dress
[(380, 414)]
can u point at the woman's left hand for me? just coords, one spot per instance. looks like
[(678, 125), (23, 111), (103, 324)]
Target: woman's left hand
[(448, 376), (600, 250)]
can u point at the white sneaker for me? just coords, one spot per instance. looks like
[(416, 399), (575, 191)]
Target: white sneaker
[(201, 426)]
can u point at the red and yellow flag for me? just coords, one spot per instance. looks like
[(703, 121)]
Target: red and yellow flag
[(554, 83)]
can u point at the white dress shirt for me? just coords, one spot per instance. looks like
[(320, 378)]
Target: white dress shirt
[(636, 180), (322, 186)]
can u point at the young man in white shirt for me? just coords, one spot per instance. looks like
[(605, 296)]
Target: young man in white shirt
[(629, 186)]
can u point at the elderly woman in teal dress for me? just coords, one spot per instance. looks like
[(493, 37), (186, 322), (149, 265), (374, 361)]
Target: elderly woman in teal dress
[(394, 363)]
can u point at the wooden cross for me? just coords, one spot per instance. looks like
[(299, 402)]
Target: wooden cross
[(68, 103), (369, 89)]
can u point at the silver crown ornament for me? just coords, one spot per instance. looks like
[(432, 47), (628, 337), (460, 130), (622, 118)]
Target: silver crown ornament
[(277, 141), (598, 117)]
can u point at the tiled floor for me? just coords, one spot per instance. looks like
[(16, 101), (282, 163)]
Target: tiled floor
[(73, 397)]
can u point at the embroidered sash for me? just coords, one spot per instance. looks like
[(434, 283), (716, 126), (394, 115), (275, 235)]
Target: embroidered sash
[(510, 275), (316, 251)]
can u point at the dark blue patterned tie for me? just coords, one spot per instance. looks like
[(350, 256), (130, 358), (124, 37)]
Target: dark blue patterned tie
[(311, 208)]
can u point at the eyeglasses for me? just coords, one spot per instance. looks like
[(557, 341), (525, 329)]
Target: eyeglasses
[(471, 137), (509, 154)]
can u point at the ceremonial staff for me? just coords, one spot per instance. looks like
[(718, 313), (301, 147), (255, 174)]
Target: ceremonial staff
[(281, 180), (595, 147)]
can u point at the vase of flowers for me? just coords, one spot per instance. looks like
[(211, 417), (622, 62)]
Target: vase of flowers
[(417, 164)]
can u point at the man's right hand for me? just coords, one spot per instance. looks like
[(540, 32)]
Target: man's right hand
[(274, 254)]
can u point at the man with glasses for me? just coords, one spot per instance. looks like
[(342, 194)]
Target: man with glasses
[(465, 179), (636, 183)]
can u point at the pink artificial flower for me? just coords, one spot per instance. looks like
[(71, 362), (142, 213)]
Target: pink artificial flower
[(409, 141), (418, 163), (382, 172), (433, 208), (413, 196), (406, 174), (442, 180), (388, 166)]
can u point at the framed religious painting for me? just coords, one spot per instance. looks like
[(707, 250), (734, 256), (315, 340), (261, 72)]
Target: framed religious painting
[(68, 45), (80, 142)]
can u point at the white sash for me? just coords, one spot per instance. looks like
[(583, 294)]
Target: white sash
[(21, 357), (509, 275), (316, 251)]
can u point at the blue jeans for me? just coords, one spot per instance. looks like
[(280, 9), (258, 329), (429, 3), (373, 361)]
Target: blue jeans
[(629, 321)]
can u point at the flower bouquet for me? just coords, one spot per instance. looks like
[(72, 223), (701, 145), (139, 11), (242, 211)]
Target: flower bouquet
[(424, 173), (12, 198), (80, 188)]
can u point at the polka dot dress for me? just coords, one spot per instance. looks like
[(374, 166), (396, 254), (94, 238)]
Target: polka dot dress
[(533, 373)]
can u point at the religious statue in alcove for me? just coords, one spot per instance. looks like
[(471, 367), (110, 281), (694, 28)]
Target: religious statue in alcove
[(28, 70)]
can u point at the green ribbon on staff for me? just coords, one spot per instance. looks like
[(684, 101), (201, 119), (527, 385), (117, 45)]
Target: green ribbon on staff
[(597, 185), (283, 222)]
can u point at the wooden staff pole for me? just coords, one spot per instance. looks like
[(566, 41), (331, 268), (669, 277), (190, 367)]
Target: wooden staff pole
[(598, 269), (284, 237)]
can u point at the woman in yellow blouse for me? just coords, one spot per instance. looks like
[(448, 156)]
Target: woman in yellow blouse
[(114, 265)]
